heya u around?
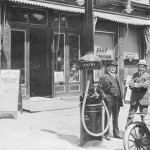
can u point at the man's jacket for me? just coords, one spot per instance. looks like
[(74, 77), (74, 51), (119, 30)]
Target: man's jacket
[(105, 85), (140, 92)]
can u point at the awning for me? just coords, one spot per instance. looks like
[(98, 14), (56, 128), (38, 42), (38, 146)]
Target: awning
[(122, 18), (75, 9), (52, 5)]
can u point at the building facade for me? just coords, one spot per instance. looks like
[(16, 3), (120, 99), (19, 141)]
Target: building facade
[(46, 39)]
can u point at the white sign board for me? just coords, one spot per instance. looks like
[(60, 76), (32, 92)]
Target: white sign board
[(58, 76), (9, 90)]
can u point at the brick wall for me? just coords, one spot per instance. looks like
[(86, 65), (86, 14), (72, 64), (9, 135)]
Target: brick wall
[(6, 46)]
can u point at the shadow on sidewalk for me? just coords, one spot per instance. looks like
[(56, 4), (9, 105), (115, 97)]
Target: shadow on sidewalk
[(74, 140)]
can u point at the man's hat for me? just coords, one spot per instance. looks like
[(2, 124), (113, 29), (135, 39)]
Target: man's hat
[(142, 62), (113, 63)]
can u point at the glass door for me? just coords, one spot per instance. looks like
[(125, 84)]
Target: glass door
[(40, 84), (19, 57), (66, 70), (59, 65), (74, 72)]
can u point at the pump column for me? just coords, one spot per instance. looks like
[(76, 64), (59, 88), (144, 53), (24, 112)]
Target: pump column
[(88, 63)]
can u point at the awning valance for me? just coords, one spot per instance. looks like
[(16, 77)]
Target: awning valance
[(75, 9), (122, 18), (52, 5)]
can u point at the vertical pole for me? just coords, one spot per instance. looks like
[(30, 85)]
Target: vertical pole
[(89, 33), (121, 59), (89, 25), (89, 47), (0, 37)]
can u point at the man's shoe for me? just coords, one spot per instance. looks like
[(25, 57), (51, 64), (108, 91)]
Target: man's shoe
[(119, 136), (107, 137)]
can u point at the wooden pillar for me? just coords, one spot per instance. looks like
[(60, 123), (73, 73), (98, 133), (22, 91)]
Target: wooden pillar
[(6, 40), (0, 37), (121, 59)]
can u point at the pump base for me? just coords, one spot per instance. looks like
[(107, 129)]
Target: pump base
[(93, 143)]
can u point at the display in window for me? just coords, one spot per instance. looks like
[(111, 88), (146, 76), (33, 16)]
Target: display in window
[(74, 58), (74, 73)]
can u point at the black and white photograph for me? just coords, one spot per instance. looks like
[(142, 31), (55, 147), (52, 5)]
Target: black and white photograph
[(74, 74)]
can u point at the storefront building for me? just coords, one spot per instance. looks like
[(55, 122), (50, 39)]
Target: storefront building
[(46, 39)]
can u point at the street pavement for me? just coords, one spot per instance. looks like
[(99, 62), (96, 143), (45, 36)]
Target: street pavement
[(56, 129)]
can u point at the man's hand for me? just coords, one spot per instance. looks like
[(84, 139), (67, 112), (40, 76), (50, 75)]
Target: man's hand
[(131, 85), (104, 96)]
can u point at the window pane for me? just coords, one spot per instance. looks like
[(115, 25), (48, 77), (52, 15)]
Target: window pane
[(74, 58), (38, 17), (59, 53), (18, 14), (17, 52), (59, 20), (74, 21)]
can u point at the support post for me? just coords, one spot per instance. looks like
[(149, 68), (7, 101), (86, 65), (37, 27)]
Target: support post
[(85, 138), (89, 30), (0, 37), (121, 59), (89, 25)]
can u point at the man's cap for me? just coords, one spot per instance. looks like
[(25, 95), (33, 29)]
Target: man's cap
[(112, 63), (142, 62)]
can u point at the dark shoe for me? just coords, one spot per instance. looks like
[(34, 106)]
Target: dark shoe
[(119, 136), (107, 137)]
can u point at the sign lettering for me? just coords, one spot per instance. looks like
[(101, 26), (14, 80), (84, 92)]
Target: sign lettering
[(10, 92), (89, 65), (104, 54)]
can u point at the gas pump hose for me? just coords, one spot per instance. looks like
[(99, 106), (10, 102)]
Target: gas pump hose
[(82, 116)]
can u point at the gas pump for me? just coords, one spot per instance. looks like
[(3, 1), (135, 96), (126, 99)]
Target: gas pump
[(92, 107)]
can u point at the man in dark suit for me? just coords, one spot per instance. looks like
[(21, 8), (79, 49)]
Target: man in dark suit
[(109, 88), (139, 85)]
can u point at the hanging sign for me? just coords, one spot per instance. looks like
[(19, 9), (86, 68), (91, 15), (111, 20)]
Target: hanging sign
[(10, 92), (89, 65), (104, 54), (58, 76)]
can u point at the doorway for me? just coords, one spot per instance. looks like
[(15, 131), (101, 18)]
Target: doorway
[(39, 63), (19, 57), (66, 69)]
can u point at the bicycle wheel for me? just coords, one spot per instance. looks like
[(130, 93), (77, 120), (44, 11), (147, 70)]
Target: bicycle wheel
[(137, 137)]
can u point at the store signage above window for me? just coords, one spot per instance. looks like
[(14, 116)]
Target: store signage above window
[(98, 2), (102, 2), (146, 2), (104, 53)]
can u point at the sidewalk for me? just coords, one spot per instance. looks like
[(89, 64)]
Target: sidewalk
[(53, 129)]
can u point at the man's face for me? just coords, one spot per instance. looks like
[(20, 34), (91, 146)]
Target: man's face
[(141, 68), (112, 68)]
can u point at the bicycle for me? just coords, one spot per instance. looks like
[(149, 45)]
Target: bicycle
[(137, 135)]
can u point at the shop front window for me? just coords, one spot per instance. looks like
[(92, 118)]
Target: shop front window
[(18, 14), (74, 21), (59, 58), (60, 20), (18, 52), (24, 15), (38, 17), (74, 58)]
